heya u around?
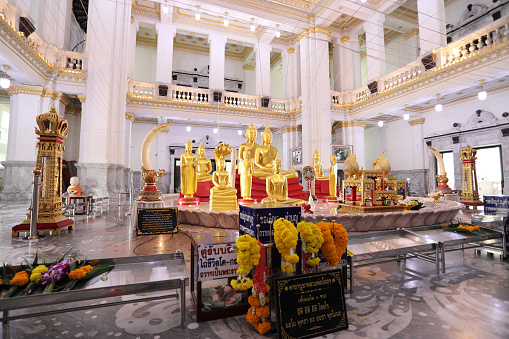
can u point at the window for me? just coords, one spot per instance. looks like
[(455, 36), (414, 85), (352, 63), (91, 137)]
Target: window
[(448, 157)]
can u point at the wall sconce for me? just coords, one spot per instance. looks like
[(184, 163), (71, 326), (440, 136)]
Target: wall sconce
[(482, 95), (438, 106)]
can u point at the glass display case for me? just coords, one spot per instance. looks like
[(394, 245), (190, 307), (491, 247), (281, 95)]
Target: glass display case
[(496, 222)]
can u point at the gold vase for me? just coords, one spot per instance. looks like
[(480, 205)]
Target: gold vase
[(350, 166)]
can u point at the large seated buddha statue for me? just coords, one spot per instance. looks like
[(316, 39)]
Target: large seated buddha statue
[(265, 155), (318, 167), (203, 165), (277, 186), (222, 196)]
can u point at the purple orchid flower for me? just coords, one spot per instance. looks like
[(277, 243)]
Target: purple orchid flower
[(55, 272)]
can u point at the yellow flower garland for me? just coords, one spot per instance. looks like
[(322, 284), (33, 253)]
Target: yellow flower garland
[(36, 273), (248, 256), (286, 236), (312, 240)]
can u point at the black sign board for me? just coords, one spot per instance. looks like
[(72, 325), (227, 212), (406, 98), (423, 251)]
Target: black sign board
[(156, 221), (310, 305)]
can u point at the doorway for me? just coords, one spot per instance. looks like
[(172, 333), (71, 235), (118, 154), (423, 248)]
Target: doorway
[(489, 170)]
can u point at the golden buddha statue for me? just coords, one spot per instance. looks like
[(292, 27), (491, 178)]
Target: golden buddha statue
[(277, 187), (265, 155), (203, 165), (250, 145), (317, 165), (222, 196), (188, 178), (246, 170), (333, 177)]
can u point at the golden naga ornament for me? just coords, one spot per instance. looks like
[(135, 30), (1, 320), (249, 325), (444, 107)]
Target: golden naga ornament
[(150, 191), (203, 165), (222, 196), (265, 155), (469, 188), (277, 187)]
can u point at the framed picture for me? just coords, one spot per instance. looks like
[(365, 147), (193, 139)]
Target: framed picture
[(296, 156), (341, 152)]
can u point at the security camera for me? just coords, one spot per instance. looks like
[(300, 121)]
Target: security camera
[(505, 114), (456, 124)]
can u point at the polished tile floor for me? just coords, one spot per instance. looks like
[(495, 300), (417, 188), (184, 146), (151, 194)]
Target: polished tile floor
[(406, 300)]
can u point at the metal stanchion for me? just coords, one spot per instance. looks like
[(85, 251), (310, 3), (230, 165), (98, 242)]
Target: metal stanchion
[(35, 205)]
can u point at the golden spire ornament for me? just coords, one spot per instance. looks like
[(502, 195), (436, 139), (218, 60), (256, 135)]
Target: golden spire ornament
[(469, 188)]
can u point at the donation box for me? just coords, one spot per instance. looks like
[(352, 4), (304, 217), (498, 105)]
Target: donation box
[(265, 215)]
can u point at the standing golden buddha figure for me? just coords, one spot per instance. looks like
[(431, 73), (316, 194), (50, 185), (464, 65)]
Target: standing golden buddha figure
[(222, 196), (277, 187), (265, 155), (188, 176), (318, 167), (250, 145), (203, 165), (333, 181), (246, 170)]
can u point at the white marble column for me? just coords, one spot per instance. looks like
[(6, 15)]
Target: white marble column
[(102, 124), (349, 62), (291, 140), (72, 143), (263, 69), (217, 44), (164, 63), (315, 89), (375, 46), (336, 63), (290, 70), (432, 33), (353, 134), (418, 142), (133, 31), (249, 80), (25, 105)]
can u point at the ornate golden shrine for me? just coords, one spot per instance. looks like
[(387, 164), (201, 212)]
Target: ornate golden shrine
[(51, 132), (469, 188), (374, 188)]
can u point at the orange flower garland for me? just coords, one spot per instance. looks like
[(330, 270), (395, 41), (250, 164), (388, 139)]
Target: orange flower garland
[(20, 279), (333, 247)]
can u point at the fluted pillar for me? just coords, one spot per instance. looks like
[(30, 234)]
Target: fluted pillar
[(432, 33), (133, 31), (263, 69), (217, 44), (164, 63), (375, 46)]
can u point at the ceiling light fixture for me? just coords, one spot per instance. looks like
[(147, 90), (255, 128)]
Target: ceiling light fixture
[(278, 33), (239, 131), (406, 116), (5, 82), (165, 8), (188, 128), (438, 106), (226, 19), (214, 130), (253, 27), (482, 95), (197, 15), (380, 123), (363, 1)]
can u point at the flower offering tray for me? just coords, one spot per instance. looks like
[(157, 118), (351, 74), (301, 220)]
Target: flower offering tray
[(131, 275)]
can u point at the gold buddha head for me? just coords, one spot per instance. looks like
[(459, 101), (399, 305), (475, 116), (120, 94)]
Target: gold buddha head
[(277, 164), (333, 160), (316, 155), (267, 135), (201, 150), (189, 146), (251, 133)]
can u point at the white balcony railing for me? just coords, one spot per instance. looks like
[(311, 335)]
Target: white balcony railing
[(400, 76), (240, 100), (188, 94), (480, 40)]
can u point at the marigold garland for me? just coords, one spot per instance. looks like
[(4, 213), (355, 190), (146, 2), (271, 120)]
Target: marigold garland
[(286, 237), (77, 274), (20, 279), (248, 256), (333, 247), (312, 240)]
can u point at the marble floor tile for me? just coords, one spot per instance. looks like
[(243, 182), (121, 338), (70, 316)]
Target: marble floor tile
[(391, 300)]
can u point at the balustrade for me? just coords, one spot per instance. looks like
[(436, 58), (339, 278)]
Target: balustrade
[(186, 94), (240, 100)]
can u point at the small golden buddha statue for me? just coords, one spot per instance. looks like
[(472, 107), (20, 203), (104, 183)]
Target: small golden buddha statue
[(246, 170), (188, 178), (277, 187), (222, 196), (250, 145), (265, 155), (333, 177), (203, 165), (317, 165)]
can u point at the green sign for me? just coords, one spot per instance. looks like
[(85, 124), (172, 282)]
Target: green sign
[(156, 221), (310, 305)]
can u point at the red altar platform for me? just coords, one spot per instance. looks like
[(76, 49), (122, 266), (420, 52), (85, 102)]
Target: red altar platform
[(53, 227), (321, 188), (258, 189)]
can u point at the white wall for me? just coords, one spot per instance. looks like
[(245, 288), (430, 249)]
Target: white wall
[(139, 132), (184, 60), (364, 69), (276, 81), (400, 52), (145, 59)]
